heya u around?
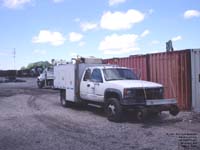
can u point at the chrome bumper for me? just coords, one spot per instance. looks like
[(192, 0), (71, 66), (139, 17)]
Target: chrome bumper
[(161, 102)]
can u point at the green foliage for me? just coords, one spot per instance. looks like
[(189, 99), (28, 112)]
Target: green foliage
[(43, 64), (23, 68)]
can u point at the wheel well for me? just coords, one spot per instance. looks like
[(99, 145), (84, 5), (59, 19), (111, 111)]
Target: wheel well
[(111, 95)]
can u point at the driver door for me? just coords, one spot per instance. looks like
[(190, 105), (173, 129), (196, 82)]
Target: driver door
[(95, 91)]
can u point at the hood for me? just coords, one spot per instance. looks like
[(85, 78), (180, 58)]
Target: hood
[(135, 84)]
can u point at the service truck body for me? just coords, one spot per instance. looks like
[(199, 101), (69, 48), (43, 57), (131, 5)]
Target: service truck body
[(68, 77), (113, 87)]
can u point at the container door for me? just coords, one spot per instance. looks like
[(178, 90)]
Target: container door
[(195, 68)]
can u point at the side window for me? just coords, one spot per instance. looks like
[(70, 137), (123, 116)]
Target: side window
[(87, 75), (96, 76)]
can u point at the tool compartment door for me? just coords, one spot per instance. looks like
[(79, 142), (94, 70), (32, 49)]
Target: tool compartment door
[(70, 82), (65, 79)]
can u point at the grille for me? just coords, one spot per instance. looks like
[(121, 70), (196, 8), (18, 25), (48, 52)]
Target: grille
[(153, 93)]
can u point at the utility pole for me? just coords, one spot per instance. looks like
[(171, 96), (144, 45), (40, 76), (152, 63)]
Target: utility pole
[(14, 55)]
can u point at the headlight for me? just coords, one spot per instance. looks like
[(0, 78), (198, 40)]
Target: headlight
[(129, 93), (161, 92)]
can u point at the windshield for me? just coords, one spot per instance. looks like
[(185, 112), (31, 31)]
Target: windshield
[(119, 74)]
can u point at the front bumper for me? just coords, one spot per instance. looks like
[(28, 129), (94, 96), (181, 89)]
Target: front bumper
[(148, 102), (161, 102), (154, 105)]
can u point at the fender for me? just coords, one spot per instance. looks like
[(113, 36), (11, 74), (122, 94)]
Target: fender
[(112, 91)]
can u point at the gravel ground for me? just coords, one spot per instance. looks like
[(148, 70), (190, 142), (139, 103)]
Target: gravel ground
[(32, 119)]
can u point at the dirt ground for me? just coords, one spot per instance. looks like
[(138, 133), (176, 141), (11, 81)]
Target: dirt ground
[(33, 119)]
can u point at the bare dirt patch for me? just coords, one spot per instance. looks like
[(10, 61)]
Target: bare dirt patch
[(32, 119)]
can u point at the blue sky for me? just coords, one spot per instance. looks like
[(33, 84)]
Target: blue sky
[(62, 29)]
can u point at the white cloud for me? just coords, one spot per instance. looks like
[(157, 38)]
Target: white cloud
[(154, 42), (88, 26), (20, 3), (119, 44), (120, 20), (145, 33), (46, 36), (39, 52), (75, 37), (191, 13), (115, 2), (177, 38), (81, 44), (15, 3), (57, 1)]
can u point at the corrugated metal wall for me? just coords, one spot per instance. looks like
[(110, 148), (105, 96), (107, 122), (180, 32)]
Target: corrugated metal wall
[(171, 69), (195, 65), (138, 63)]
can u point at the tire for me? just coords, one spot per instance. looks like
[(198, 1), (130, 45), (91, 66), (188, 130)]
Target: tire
[(63, 101), (154, 114), (113, 110), (40, 84), (141, 115), (83, 104), (174, 110)]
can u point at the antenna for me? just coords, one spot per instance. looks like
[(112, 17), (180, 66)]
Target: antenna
[(169, 46)]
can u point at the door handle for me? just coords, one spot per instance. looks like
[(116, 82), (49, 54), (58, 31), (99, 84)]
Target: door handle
[(96, 84), (88, 85)]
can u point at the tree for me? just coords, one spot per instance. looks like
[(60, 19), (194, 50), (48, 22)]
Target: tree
[(40, 64), (23, 68)]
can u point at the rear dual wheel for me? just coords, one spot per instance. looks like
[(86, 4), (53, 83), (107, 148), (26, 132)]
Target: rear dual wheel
[(63, 101), (40, 84), (141, 114), (174, 110)]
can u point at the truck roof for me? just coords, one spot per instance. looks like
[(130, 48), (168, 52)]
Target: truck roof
[(108, 67)]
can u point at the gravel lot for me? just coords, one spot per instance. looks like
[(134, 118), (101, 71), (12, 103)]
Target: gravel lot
[(32, 119)]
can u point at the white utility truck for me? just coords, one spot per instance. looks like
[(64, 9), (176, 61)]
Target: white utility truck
[(115, 88), (46, 78)]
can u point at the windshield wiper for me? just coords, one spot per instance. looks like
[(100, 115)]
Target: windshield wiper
[(114, 79)]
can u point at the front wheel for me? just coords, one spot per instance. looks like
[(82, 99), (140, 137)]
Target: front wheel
[(40, 84), (141, 114), (113, 110)]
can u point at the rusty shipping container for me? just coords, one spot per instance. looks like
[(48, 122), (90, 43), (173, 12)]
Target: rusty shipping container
[(137, 63), (172, 69)]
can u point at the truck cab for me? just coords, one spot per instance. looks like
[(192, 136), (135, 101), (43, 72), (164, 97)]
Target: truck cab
[(45, 79), (119, 88)]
